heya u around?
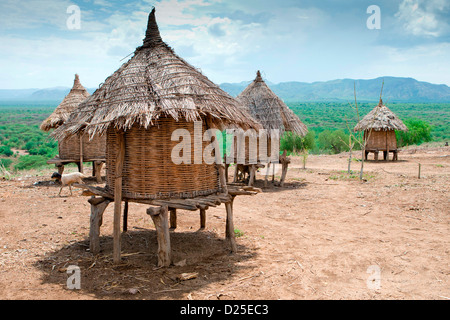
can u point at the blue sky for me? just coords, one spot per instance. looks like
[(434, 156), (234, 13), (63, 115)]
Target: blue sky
[(228, 40)]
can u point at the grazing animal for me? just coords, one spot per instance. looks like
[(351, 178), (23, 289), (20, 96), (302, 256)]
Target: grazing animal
[(67, 179)]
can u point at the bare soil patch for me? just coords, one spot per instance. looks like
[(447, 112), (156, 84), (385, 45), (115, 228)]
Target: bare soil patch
[(315, 238)]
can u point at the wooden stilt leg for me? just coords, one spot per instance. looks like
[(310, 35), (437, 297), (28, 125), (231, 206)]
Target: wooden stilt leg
[(98, 171), (160, 217), (60, 168), (227, 165), (235, 179), (251, 179), (118, 197), (273, 173), (202, 218), (267, 174), (376, 155), (125, 217), (98, 206), (230, 226), (284, 167), (173, 218)]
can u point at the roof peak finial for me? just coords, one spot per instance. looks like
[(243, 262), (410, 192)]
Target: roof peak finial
[(258, 76), (76, 82), (152, 35)]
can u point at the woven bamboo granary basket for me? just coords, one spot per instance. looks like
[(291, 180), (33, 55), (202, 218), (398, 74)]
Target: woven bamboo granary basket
[(69, 149), (138, 108), (379, 127), (146, 99), (273, 114)]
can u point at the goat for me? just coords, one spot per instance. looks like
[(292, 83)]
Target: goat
[(68, 179)]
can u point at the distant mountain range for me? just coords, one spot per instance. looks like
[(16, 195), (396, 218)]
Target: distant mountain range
[(395, 89)]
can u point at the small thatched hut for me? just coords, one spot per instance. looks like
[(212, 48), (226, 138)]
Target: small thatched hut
[(272, 113), (379, 127), (75, 149), (138, 108)]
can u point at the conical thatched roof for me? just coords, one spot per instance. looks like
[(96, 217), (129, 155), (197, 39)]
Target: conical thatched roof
[(76, 95), (380, 119), (268, 109), (155, 83)]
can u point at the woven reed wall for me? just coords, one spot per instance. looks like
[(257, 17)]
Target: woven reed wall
[(150, 173), (265, 150), (380, 140), (69, 149)]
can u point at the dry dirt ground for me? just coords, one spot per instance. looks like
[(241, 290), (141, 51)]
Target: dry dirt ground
[(322, 236)]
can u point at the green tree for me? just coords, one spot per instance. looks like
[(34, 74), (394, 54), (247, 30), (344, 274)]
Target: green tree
[(419, 131), (5, 150), (334, 141)]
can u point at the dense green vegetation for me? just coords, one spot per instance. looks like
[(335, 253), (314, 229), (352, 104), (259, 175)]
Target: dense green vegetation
[(328, 124), (331, 123), (22, 144)]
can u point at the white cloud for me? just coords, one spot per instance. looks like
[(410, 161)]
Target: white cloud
[(420, 17)]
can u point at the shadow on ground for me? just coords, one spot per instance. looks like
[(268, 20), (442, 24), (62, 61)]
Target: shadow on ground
[(201, 253)]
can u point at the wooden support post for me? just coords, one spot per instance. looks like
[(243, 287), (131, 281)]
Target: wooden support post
[(125, 217), (419, 170), (173, 218), (60, 168), (227, 165), (202, 218), (160, 217), (222, 179), (376, 155), (235, 179), (273, 173), (81, 155), (118, 196), (229, 232), (98, 206), (284, 165), (98, 165), (251, 179), (267, 174)]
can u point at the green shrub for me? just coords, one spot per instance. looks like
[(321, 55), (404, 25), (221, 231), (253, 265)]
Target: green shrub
[(31, 162), (335, 141), (6, 163), (6, 151), (419, 131)]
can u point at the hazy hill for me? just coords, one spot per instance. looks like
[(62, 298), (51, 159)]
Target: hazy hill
[(395, 89)]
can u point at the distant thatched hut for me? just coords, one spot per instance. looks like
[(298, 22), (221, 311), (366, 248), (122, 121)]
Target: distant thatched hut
[(271, 112), (379, 127), (75, 149), (138, 108)]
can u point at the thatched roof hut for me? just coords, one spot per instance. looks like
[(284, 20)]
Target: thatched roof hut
[(380, 119), (268, 109), (138, 108), (74, 148), (148, 97), (379, 127), (71, 101)]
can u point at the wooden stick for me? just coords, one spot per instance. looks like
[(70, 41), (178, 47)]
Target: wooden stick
[(160, 217), (419, 170), (251, 179), (98, 206), (267, 175), (118, 197), (98, 170), (202, 218), (125, 217), (81, 154), (222, 179), (230, 226), (173, 218)]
